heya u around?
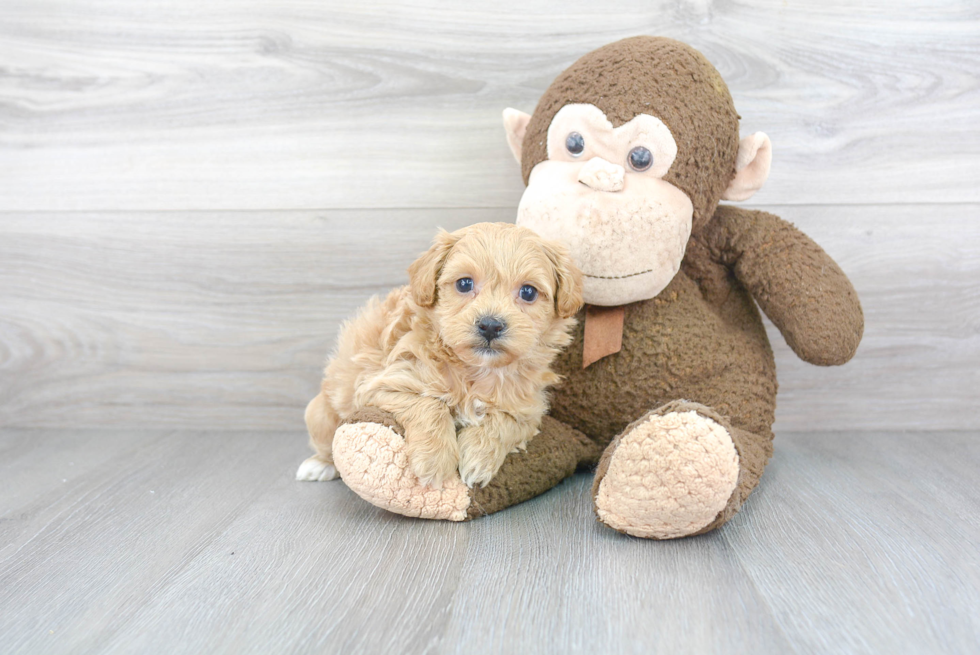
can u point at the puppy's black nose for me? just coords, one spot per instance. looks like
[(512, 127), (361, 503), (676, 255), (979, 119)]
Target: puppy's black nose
[(490, 327)]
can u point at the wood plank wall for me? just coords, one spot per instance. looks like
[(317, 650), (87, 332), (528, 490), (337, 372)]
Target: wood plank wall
[(194, 194)]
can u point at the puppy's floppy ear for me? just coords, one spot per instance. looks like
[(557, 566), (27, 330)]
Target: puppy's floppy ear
[(568, 294), (424, 271)]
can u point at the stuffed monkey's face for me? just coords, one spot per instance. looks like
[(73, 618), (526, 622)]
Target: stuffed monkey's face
[(601, 193)]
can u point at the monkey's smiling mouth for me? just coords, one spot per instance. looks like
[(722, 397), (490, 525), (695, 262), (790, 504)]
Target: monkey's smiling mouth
[(617, 277)]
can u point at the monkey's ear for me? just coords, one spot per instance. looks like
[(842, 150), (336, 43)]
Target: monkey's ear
[(751, 167), (568, 293), (423, 273), (515, 125)]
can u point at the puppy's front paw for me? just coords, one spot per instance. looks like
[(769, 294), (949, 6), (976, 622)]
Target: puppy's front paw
[(476, 472), (480, 456), (433, 459), (315, 469)]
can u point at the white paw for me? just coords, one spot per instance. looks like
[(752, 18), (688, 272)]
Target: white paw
[(316, 470)]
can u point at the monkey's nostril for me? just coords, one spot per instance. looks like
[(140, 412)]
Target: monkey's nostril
[(490, 327)]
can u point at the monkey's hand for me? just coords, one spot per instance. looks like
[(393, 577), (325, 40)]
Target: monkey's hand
[(799, 287), (430, 433)]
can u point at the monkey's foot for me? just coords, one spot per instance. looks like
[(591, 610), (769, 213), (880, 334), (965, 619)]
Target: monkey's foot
[(668, 475), (369, 452)]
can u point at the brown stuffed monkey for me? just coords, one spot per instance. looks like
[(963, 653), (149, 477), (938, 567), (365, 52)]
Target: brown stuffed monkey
[(670, 384)]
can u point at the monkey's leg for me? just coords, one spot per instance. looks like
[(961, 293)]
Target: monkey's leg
[(369, 452), (680, 470)]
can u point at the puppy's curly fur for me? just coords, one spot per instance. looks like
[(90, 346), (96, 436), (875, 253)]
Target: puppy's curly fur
[(421, 355)]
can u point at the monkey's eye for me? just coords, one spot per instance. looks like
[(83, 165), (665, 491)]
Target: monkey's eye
[(464, 284), (640, 158), (575, 144), (529, 293)]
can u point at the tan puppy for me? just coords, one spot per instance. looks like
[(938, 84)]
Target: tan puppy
[(466, 345)]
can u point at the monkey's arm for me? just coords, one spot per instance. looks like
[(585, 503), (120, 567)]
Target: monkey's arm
[(799, 287)]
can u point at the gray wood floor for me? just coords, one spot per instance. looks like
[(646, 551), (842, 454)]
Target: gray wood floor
[(201, 542)]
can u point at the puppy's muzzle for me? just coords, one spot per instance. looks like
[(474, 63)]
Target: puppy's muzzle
[(490, 327)]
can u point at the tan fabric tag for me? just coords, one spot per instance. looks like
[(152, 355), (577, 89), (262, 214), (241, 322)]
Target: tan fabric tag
[(603, 332)]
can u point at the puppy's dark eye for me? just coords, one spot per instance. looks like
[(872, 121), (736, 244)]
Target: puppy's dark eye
[(529, 293), (464, 284), (575, 144), (640, 158)]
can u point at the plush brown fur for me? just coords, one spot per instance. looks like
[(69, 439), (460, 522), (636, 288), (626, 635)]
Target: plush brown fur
[(699, 347), (663, 78), (419, 355), (701, 338)]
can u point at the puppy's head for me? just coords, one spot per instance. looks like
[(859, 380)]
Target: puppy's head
[(497, 293)]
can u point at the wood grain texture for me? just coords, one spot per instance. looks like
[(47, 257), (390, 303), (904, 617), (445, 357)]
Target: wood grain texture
[(917, 272), (286, 104), (194, 542), (829, 549), (223, 319)]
